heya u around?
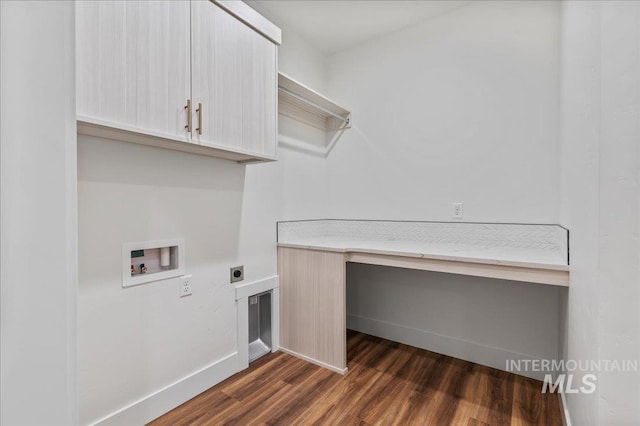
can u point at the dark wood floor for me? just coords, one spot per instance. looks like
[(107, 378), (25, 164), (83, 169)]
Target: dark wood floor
[(388, 384)]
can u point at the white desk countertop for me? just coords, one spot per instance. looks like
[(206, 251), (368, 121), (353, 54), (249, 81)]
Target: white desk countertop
[(530, 246), (530, 258)]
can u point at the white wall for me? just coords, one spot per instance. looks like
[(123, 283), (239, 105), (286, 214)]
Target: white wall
[(304, 183), (580, 177), (463, 107), (300, 60), (136, 341), (38, 259), (619, 274), (601, 200)]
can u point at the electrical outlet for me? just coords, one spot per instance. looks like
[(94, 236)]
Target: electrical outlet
[(457, 210), (237, 274), (185, 285)]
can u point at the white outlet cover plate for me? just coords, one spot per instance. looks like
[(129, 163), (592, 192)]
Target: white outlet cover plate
[(457, 211), (185, 285)]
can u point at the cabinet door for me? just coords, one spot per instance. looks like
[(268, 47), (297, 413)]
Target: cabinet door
[(234, 77), (260, 95), (133, 64)]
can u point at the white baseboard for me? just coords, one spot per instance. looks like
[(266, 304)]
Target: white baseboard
[(154, 405), (566, 418), (342, 371), (447, 345)]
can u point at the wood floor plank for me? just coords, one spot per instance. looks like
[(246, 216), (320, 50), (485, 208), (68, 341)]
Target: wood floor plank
[(261, 402), (530, 405), (496, 396), (198, 409), (476, 422), (468, 398), (394, 408), (307, 392), (420, 408), (388, 384)]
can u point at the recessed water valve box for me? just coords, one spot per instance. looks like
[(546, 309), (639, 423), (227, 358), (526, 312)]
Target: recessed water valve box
[(149, 261)]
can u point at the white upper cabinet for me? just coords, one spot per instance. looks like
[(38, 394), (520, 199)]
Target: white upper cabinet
[(260, 95), (140, 62), (133, 64), (234, 79)]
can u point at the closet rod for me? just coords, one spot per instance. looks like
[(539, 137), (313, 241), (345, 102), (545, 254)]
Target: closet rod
[(313, 104)]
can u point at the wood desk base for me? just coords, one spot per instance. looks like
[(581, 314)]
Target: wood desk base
[(313, 322)]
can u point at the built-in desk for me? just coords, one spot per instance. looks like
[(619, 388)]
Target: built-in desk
[(312, 257)]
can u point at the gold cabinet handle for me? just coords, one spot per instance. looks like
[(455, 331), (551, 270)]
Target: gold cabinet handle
[(199, 111), (188, 108)]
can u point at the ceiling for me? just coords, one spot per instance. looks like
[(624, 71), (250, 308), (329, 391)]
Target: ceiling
[(334, 25)]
